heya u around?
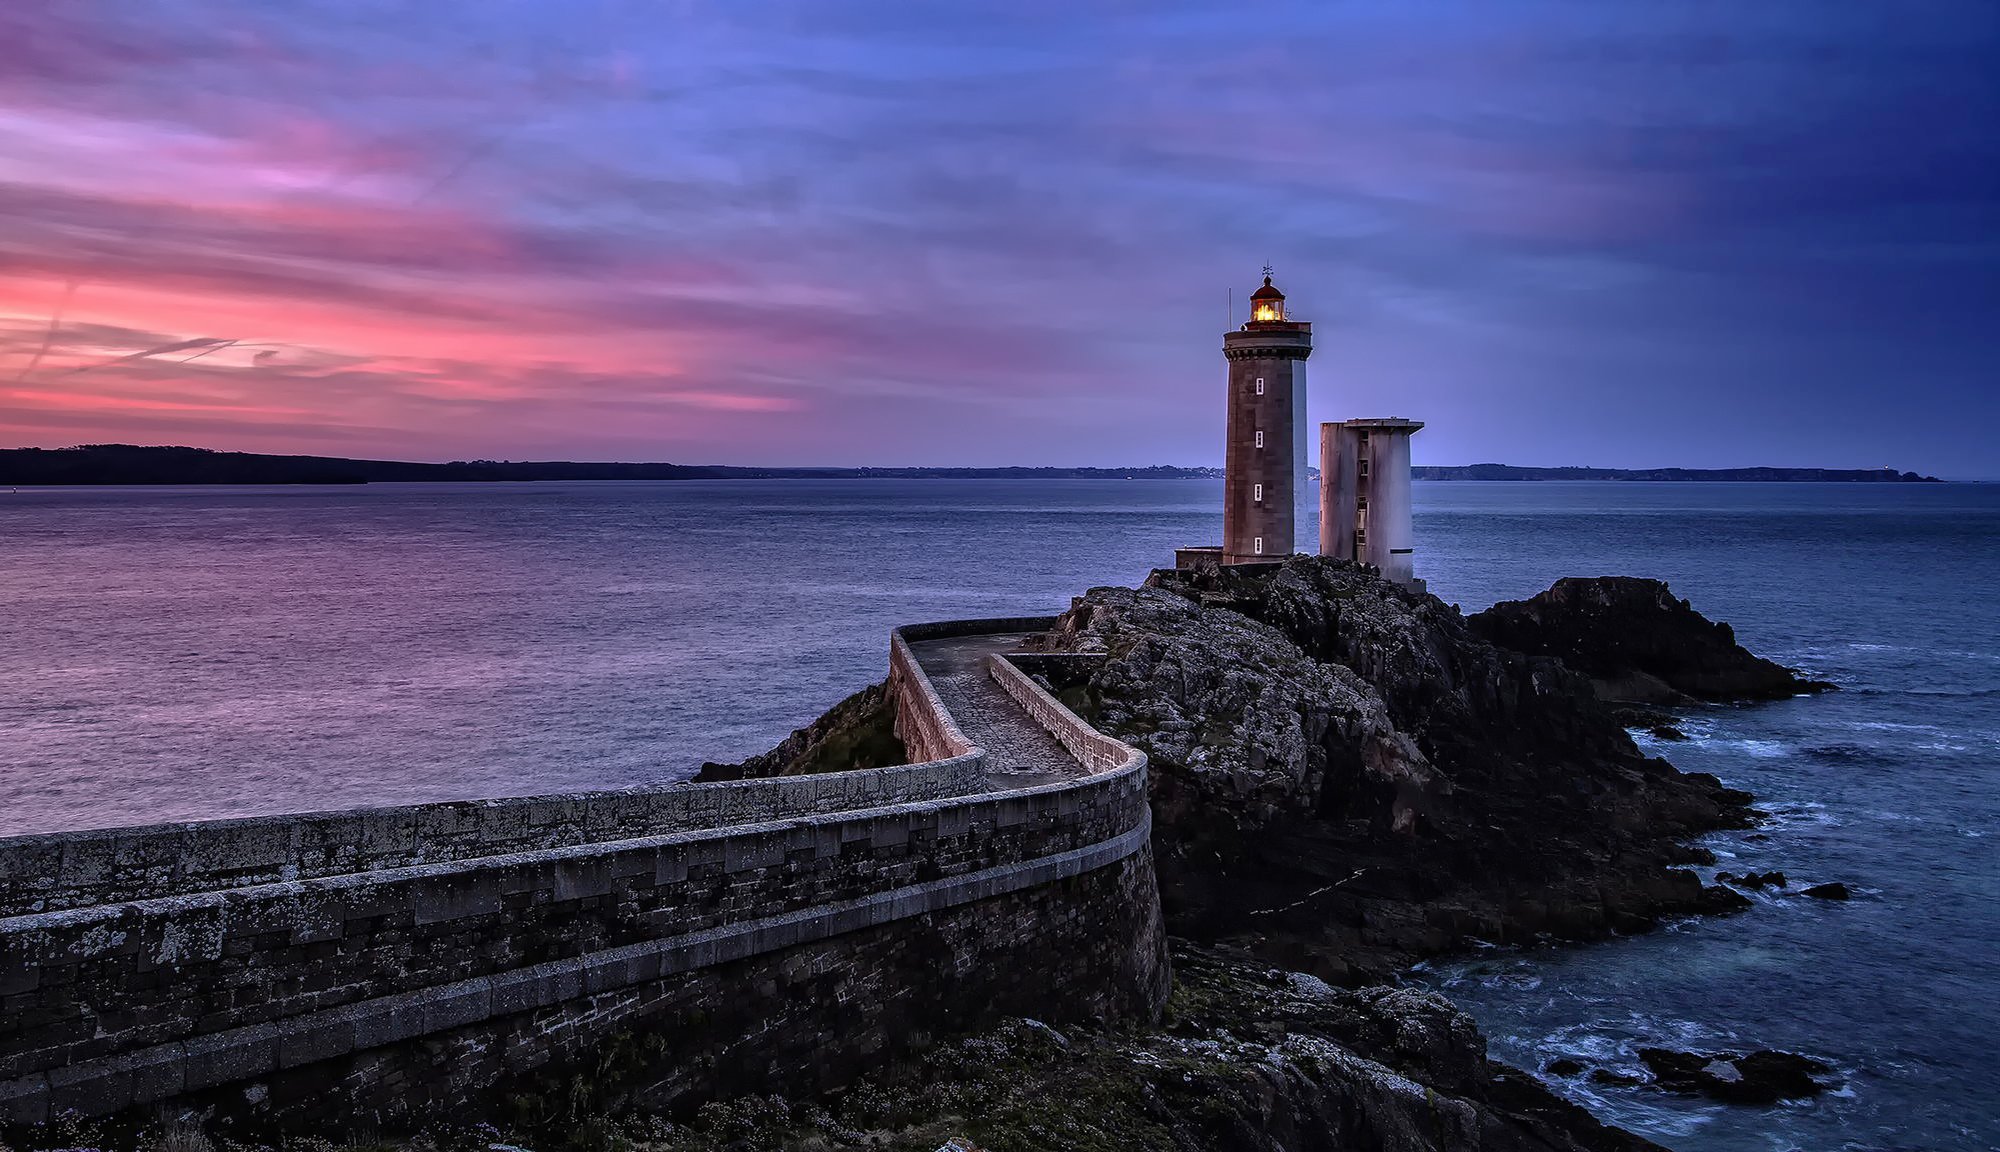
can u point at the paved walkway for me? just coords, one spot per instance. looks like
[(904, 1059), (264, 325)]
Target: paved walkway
[(1019, 752)]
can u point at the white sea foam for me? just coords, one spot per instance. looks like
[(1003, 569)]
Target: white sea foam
[(1756, 749), (1784, 814)]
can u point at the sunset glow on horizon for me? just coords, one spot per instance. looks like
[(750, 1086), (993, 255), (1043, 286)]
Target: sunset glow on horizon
[(996, 234)]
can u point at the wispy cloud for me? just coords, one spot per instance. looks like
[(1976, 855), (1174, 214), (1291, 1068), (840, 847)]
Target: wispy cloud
[(983, 233)]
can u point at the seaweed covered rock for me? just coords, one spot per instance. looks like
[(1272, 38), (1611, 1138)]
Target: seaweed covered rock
[(1343, 767), (1638, 642)]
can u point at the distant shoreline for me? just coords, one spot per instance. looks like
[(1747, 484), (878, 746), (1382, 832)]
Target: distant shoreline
[(119, 464)]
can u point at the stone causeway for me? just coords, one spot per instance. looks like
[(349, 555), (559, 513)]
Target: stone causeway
[(370, 967)]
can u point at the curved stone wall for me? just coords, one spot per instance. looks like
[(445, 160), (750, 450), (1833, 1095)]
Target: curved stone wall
[(335, 994), (922, 721), (62, 870)]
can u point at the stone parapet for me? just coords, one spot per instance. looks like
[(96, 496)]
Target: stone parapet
[(1092, 749), (63, 870)]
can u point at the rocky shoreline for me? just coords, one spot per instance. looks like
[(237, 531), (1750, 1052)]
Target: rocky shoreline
[(1349, 777), (1249, 1058), (1348, 772)]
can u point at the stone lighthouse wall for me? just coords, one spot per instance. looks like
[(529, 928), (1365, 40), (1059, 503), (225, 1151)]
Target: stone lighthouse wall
[(1264, 458)]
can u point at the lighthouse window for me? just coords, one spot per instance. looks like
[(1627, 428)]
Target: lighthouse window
[(1257, 492), (1260, 437), (1260, 385), (1257, 546)]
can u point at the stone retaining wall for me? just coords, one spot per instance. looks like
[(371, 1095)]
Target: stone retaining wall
[(395, 988), (796, 1020), (78, 869)]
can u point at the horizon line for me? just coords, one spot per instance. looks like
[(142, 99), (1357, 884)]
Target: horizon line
[(962, 467)]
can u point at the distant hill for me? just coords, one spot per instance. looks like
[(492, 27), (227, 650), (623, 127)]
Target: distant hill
[(1754, 475), (133, 464)]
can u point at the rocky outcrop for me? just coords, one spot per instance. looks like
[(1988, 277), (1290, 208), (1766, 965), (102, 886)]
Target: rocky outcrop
[(859, 732), (1755, 881), (1760, 1077), (1347, 776), (1251, 1059), (1345, 769), (1638, 643)]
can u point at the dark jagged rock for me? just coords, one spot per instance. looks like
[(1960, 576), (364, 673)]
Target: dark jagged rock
[(858, 732), (1660, 725), (1638, 643), (1720, 900), (1563, 1066), (1613, 1078), (1832, 891), (1760, 1077), (1753, 880), (1344, 768), (1250, 1059)]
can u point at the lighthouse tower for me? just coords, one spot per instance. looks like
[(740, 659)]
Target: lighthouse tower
[(1265, 465)]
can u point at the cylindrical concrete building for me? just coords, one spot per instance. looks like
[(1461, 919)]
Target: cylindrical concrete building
[(1264, 467), (1364, 495)]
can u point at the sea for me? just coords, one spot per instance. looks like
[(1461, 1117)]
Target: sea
[(189, 653)]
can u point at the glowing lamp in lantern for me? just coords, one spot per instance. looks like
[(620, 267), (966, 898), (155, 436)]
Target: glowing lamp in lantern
[(1267, 304)]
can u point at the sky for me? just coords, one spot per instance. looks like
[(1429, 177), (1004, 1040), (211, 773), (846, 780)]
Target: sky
[(853, 232)]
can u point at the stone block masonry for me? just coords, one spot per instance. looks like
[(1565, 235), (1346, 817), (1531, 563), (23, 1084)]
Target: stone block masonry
[(81, 869), (778, 936)]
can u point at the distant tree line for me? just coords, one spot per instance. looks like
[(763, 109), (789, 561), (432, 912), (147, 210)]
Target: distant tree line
[(134, 464), (1751, 475)]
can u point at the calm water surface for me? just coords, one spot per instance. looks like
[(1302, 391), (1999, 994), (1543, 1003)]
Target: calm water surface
[(188, 653)]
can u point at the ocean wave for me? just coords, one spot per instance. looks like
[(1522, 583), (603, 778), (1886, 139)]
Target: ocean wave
[(1899, 817), (1764, 749), (1757, 749), (1929, 653), (1893, 726), (1843, 753), (1779, 814), (1938, 693)]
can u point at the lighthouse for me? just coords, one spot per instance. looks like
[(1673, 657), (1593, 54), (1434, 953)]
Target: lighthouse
[(1264, 467)]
